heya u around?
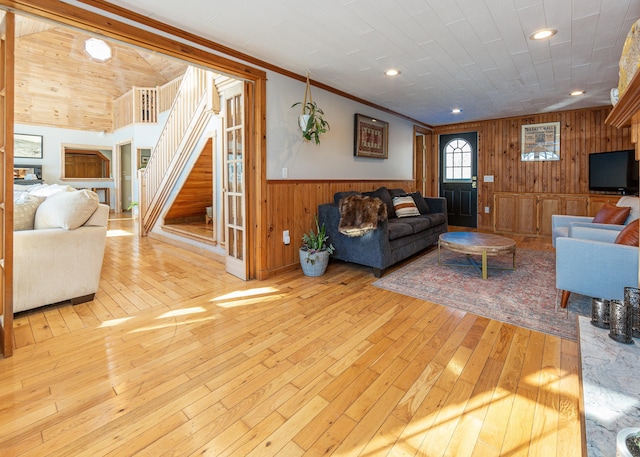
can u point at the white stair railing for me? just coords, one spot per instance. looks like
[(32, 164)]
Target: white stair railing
[(196, 100)]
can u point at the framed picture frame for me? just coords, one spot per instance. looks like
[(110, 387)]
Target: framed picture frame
[(540, 142), (371, 137), (27, 146)]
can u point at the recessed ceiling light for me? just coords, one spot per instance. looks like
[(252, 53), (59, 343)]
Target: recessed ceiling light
[(392, 72), (542, 34), (98, 49), (577, 92), (456, 110)]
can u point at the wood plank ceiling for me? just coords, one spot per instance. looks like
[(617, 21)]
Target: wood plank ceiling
[(58, 84)]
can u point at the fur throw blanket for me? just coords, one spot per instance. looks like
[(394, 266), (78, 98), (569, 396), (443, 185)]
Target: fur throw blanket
[(359, 214)]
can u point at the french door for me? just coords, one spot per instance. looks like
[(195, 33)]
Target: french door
[(7, 29), (235, 220)]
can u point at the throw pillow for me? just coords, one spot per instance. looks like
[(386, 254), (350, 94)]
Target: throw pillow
[(67, 210), (383, 194), (630, 235), (420, 203), (610, 214), (24, 212), (405, 206)]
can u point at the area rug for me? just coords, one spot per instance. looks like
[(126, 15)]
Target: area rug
[(525, 296)]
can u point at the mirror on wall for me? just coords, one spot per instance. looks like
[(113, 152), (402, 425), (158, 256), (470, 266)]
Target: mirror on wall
[(86, 163)]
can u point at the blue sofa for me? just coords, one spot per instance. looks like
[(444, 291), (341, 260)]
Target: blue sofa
[(393, 240)]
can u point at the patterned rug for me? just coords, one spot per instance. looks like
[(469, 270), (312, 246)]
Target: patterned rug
[(524, 297)]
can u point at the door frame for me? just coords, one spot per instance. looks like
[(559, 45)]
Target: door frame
[(196, 51)]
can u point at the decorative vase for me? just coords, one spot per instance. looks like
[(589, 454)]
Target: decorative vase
[(624, 448), (314, 263)]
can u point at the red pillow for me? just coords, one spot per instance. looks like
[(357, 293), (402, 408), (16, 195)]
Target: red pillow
[(610, 214), (630, 235)]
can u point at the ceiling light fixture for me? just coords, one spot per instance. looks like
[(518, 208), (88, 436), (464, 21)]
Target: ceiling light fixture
[(98, 49), (392, 72), (542, 34), (456, 110), (575, 93)]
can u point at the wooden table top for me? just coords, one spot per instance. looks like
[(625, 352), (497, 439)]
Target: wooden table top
[(475, 243)]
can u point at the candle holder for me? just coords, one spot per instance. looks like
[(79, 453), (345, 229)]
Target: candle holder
[(632, 297), (620, 321), (600, 312)]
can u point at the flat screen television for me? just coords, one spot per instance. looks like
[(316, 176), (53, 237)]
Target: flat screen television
[(615, 171)]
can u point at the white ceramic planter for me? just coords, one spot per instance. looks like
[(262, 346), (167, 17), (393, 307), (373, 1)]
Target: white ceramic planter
[(317, 264), (303, 120), (621, 441)]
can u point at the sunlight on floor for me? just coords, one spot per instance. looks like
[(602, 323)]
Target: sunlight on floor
[(114, 322), (182, 312), (248, 297), (118, 232)]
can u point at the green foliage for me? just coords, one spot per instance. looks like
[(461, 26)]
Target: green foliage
[(313, 242), (316, 123)]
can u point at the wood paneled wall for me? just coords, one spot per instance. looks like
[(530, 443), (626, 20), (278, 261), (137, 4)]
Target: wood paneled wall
[(581, 132), (292, 205)]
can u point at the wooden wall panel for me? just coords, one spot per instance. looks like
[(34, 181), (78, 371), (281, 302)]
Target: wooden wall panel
[(292, 206), (581, 132)]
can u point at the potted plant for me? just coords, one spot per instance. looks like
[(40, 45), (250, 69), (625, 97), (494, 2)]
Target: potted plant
[(314, 252), (311, 121)]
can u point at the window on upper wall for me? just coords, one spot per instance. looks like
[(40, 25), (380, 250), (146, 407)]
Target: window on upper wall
[(86, 163)]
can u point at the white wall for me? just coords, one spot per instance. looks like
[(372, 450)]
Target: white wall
[(333, 158)]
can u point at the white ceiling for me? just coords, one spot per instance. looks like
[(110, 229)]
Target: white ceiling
[(468, 54)]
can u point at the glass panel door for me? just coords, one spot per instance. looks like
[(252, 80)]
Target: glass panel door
[(234, 182)]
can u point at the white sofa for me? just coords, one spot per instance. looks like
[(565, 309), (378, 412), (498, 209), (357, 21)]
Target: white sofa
[(60, 259)]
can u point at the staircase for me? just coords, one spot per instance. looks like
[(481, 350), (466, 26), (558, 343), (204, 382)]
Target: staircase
[(196, 100)]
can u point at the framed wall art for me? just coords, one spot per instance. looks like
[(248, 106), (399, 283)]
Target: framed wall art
[(371, 137), (540, 142), (27, 146)]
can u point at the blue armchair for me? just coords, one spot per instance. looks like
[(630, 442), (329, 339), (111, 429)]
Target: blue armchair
[(560, 224), (588, 262)]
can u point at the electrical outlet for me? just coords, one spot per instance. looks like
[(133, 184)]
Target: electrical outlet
[(487, 209), (285, 173), (286, 239)]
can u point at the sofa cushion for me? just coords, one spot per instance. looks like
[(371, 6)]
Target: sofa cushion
[(398, 229), (340, 195), (610, 214), (67, 210), (630, 235), (633, 203), (405, 206), (383, 194), (24, 211), (420, 203), (46, 190)]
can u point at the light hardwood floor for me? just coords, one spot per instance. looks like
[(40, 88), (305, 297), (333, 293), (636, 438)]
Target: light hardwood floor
[(175, 357)]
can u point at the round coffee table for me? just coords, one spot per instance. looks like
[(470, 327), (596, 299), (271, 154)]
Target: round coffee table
[(474, 243)]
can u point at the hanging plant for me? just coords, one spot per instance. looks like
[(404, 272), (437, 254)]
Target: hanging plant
[(311, 120)]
